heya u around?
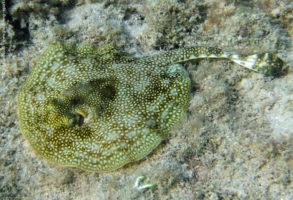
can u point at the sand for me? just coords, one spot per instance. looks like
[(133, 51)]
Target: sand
[(235, 141)]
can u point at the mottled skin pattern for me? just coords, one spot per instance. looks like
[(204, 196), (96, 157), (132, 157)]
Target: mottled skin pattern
[(98, 110)]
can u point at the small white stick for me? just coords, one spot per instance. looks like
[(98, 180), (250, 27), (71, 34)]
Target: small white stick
[(144, 187)]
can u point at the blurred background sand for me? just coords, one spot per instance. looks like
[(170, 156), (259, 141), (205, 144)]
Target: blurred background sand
[(235, 141)]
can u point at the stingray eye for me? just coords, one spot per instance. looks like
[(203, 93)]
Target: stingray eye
[(76, 119)]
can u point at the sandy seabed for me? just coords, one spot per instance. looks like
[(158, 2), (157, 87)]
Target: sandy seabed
[(236, 139)]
